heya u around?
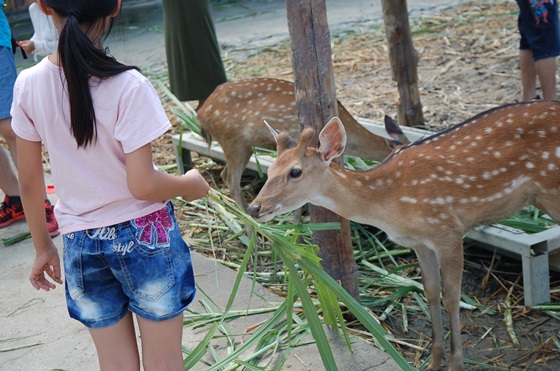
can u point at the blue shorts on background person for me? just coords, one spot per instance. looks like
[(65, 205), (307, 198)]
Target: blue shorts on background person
[(8, 74), (539, 46)]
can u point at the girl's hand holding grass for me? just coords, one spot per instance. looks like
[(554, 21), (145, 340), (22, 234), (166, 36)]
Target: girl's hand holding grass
[(197, 185)]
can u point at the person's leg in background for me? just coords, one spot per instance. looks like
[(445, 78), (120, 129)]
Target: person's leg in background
[(538, 48)]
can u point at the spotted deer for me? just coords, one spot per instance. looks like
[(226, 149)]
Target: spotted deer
[(235, 112), (428, 194)]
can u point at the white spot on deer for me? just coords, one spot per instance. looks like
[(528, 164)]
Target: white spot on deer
[(474, 199), (551, 166), (516, 183), (488, 130), (509, 121), (545, 155), (499, 124), (409, 200), (459, 181), (543, 173), (342, 175), (358, 183), (433, 220), (251, 124), (470, 159), (508, 143), (414, 182), (217, 112), (558, 152), (378, 183), (443, 216)]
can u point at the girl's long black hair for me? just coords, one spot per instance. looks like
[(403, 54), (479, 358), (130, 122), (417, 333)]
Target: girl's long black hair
[(82, 58)]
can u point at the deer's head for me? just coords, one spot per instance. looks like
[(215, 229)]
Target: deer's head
[(294, 178)]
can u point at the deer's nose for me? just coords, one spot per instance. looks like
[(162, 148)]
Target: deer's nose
[(254, 210)]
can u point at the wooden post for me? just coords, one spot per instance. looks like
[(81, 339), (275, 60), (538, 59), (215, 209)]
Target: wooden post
[(316, 104), (404, 61)]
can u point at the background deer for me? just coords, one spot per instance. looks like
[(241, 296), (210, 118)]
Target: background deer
[(428, 194), (234, 115)]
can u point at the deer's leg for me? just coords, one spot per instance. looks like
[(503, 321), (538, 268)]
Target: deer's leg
[(432, 288), (451, 261), (549, 205), (236, 162)]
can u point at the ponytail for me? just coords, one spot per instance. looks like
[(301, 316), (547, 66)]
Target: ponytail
[(81, 60)]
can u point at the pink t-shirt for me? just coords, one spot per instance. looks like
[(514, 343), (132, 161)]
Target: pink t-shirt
[(91, 183)]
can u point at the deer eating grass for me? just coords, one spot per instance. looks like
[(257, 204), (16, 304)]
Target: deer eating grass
[(234, 113), (428, 194)]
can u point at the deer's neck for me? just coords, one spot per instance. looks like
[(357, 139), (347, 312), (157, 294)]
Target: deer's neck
[(361, 196)]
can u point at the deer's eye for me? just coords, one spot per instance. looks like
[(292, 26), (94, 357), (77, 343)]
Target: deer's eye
[(295, 173)]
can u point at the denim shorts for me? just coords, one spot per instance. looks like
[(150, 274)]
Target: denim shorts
[(143, 266), (538, 27), (8, 74)]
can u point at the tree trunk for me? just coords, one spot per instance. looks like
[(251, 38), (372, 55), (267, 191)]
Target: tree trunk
[(404, 61), (316, 104)]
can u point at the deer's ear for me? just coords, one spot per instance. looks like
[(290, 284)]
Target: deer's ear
[(332, 140), (273, 131), (394, 130), (283, 140)]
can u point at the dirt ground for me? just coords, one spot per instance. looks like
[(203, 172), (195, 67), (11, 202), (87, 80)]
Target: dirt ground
[(251, 26)]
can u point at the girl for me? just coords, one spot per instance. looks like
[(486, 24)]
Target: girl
[(123, 251)]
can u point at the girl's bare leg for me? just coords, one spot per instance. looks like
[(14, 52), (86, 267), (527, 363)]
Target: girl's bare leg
[(116, 346), (161, 344)]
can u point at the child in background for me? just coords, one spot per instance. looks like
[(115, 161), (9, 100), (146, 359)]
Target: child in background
[(538, 48), (44, 39), (123, 251)]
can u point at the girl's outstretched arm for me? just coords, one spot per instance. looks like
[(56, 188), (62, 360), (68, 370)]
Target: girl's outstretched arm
[(147, 183), (32, 192)]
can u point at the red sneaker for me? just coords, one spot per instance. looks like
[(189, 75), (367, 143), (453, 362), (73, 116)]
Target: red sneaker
[(10, 213), (52, 224)]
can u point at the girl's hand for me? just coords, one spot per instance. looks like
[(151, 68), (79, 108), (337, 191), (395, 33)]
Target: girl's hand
[(197, 186), (46, 262)]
